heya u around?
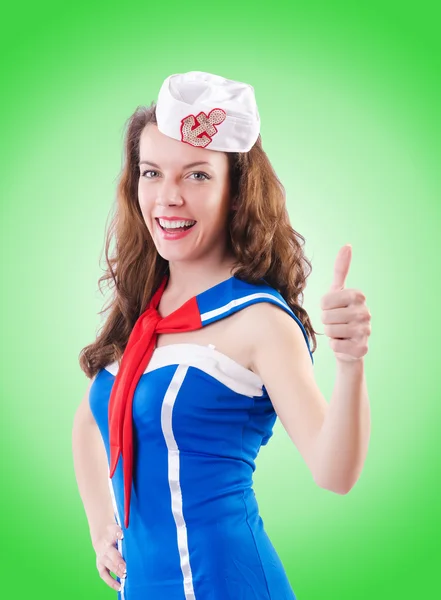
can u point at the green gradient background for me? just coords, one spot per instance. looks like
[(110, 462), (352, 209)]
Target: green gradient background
[(349, 100)]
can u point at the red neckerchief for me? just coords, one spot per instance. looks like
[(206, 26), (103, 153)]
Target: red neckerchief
[(136, 357)]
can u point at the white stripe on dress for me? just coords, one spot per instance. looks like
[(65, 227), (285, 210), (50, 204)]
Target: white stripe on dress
[(237, 302), (173, 477), (206, 358)]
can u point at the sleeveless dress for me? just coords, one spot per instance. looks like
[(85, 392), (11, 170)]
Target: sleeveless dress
[(199, 420)]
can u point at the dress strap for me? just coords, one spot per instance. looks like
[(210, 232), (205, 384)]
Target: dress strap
[(234, 294)]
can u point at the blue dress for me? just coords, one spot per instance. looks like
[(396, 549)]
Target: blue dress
[(199, 420)]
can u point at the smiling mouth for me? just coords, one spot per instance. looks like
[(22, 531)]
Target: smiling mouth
[(171, 229)]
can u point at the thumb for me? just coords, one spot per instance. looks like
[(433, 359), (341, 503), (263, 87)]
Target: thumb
[(341, 268)]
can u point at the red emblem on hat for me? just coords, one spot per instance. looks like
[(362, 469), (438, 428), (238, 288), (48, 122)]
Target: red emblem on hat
[(199, 130)]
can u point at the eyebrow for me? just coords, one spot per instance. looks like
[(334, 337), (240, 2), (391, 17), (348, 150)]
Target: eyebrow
[(194, 164)]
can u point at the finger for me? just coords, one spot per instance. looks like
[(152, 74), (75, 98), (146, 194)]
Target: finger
[(340, 331), (340, 315), (349, 347), (117, 561), (112, 562), (338, 299), (341, 267), (107, 577), (112, 558)]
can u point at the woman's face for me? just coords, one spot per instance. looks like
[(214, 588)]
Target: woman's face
[(180, 182)]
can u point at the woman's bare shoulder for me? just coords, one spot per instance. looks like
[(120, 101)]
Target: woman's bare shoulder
[(259, 313), (252, 321)]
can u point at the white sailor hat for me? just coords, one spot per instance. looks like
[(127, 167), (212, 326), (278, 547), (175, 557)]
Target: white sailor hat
[(208, 111)]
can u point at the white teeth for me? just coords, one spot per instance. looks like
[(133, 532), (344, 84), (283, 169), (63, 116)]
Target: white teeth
[(174, 224)]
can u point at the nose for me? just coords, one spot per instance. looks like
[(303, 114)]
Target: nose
[(168, 194)]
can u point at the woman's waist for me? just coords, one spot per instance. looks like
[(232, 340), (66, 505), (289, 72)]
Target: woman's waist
[(153, 513), (213, 526)]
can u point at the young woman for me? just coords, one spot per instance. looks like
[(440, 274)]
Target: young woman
[(205, 345)]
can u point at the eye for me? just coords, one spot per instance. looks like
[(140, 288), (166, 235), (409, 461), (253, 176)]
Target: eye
[(148, 171), (204, 175)]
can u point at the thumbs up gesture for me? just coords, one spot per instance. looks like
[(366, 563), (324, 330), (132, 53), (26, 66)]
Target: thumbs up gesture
[(345, 315)]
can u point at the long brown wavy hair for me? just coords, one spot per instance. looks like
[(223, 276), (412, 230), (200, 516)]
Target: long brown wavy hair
[(259, 234)]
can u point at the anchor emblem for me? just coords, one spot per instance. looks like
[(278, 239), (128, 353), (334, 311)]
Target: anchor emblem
[(199, 130)]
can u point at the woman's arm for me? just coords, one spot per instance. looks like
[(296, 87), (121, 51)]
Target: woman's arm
[(343, 442), (332, 438), (91, 470)]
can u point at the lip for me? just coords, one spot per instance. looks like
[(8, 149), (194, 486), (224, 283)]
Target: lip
[(173, 235)]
